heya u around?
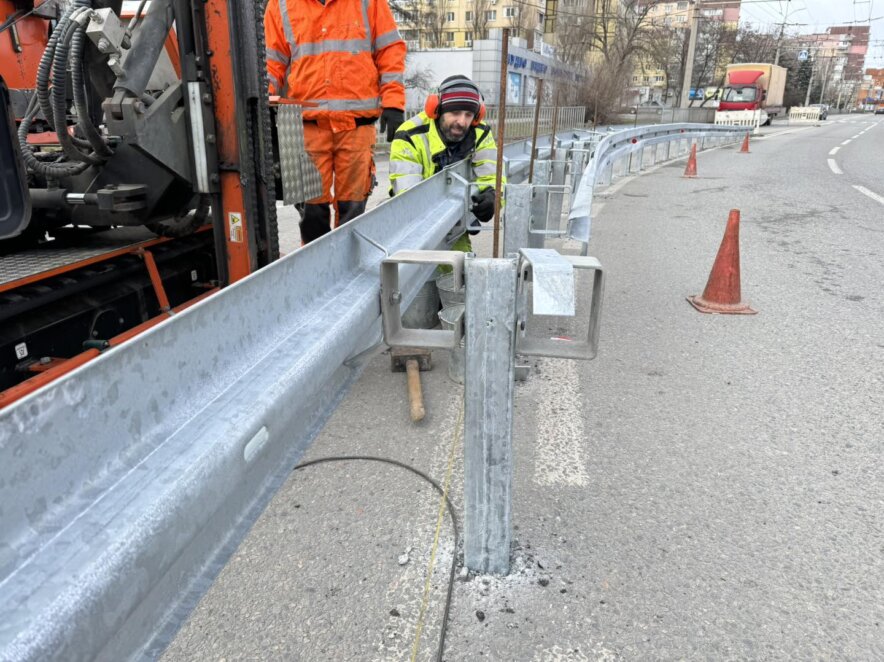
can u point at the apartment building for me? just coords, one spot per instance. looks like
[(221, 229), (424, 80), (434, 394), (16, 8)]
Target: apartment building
[(459, 23), (447, 37), (871, 90), (653, 85), (838, 58)]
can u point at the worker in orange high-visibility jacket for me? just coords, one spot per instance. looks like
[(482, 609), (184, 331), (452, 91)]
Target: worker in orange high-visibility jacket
[(345, 61)]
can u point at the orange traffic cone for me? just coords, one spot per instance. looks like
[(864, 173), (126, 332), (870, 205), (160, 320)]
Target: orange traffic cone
[(745, 147), (691, 168), (722, 293)]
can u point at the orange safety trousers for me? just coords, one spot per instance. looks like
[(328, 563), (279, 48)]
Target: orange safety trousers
[(345, 160)]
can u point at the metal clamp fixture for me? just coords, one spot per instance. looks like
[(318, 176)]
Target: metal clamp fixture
[(395, 335), (553, 293), (547, 189)]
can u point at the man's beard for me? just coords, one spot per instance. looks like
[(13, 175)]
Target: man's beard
[(450, 136)]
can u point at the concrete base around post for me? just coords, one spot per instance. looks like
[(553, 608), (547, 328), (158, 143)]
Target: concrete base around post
[(488, 412)]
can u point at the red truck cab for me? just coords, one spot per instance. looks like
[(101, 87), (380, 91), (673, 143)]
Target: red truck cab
[(743, 91)]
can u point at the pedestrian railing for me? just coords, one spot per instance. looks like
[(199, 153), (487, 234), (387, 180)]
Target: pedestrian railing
[(652, 115), (519, 121), (126, 484)]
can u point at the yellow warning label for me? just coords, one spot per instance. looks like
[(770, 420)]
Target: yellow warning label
[(236, 231)]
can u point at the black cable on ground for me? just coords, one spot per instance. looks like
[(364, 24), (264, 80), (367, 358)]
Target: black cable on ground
[(449, 506)]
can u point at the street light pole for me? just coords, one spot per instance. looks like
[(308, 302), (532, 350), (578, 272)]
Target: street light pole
[(689, 63)]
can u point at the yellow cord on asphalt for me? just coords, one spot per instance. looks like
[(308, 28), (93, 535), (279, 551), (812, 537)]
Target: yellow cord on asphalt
[(426, 599)]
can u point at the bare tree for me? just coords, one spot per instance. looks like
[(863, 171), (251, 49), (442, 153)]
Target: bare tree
[(664, 50), (607, 36), (522, 21), (409, 15), (479, 22), (435, 18), (722, 45)]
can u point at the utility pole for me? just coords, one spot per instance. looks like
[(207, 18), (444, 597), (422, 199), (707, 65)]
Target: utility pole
[(782, 30), (810, 82), (825, 78), (689, 62)]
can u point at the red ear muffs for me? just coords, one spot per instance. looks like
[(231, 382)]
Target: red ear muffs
[(431, 108), (431, 105)]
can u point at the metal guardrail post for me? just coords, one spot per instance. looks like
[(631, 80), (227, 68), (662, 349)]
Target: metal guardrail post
[(539, 204), (556, 199), (517, 215), (490, 319)]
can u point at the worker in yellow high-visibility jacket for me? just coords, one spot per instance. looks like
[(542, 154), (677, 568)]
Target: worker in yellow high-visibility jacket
[(449, 129)]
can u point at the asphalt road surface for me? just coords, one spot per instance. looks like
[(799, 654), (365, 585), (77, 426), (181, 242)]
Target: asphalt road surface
[(710, 487)]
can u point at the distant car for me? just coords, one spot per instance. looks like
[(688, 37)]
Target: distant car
[(879, 110), (648, 107), (824, 109)]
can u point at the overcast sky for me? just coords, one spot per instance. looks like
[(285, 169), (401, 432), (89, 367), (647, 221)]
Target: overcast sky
[(817, 15)]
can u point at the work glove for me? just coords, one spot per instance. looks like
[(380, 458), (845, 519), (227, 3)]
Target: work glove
[(483, 204), (391, 119)]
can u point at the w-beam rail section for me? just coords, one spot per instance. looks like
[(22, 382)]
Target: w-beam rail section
[(625, 146), (126, 484)]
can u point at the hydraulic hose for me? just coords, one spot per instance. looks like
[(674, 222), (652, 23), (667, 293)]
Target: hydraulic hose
[(84, 122), (68, 40), (53, 170), (59, 97)]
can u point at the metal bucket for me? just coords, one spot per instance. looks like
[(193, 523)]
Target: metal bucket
[(448, 295), (451, 317), (422, 313)]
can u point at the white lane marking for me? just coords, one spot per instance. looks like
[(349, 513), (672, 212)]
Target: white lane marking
[(856, 136), (558, 456), (847, 142), (834, 151), (834, 167), (874, 196)]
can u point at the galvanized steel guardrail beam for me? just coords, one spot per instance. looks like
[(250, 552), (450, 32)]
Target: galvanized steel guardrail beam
[(127, 483), (621, 144)]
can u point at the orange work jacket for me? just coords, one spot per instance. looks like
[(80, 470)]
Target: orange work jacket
[(344, 59)]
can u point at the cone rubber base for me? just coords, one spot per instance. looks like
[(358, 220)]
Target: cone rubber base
[(711, 307)]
